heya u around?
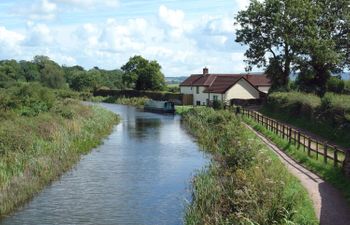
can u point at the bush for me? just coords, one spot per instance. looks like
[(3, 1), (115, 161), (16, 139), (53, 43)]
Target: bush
[(336, 85), (218, 104), (28, 99)]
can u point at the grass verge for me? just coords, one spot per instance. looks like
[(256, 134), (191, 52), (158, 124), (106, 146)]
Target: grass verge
[(340, 137), (245, 183), (134, 101), (37, 150), (329, 173)]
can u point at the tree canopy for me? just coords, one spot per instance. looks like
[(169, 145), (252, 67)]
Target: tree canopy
[(142, 74), (308, 36)]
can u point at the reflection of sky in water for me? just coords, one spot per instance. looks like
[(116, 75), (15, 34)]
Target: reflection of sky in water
[(140, 175)]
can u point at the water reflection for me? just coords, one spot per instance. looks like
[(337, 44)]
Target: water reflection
[(144, 127), (140, 175)]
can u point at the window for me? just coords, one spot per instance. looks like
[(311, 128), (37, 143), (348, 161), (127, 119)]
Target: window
[(197, 90), (198, 103), (215, 97)]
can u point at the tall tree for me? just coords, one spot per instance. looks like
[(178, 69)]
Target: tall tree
[(325, 47), (267, 28), (141, 74)]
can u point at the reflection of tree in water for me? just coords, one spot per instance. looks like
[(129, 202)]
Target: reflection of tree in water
[(144, 128)]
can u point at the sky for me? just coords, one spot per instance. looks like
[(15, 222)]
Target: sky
[(183, 36)]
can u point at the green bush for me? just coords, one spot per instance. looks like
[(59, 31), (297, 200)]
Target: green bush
[(336, 85), (218, 104)]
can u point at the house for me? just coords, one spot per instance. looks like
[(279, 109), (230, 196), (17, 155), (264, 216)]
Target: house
[(207, 87)]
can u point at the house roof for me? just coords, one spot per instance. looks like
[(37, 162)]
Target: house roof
[(222, 83), (219, 81), (258, 80)]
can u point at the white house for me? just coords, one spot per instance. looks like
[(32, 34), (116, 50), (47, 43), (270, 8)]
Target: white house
[(224, 87)]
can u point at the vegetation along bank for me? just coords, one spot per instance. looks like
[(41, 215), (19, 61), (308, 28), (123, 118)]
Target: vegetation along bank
[(41, 137), (245, 183), (328, 116)]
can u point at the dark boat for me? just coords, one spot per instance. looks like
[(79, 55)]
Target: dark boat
[(159, 106)]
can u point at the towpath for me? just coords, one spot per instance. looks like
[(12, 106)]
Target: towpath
[(330, 205)]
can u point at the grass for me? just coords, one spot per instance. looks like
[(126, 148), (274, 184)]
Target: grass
[(347, 84), (180, 110), (328, 117), (135, 101), (325, 130), (245, 182), (330, 174), (36, 150)]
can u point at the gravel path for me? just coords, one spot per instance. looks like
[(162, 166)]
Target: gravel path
[(330, 206)]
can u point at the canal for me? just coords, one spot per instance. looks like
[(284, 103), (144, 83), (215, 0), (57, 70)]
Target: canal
[(141, 174)]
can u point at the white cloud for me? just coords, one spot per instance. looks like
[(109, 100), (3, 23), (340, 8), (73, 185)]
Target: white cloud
[(38, 34), (43, 9), (242, 4), (182, 45), (10, 42), (173, 18), (90, 3)]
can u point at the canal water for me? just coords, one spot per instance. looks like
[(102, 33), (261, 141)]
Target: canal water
[(141, 174)]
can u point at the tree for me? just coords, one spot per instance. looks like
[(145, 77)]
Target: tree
[(51, 74), (142, 74), (324, 48), (269, 29), (30, 71), (86, 81)]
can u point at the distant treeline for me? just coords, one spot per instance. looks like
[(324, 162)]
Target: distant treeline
[(50, 74), (138, 73)]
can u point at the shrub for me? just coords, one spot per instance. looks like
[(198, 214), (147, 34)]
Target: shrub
[(336, 85), (218, 104)]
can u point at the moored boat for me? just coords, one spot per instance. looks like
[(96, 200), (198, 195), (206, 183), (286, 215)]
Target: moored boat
[(159, 106)]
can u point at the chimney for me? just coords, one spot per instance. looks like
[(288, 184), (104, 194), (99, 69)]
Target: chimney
[(205, 71)]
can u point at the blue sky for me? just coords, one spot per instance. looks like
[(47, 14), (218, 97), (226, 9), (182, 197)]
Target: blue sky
[(183, 36)]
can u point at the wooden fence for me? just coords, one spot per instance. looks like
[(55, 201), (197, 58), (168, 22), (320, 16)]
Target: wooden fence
[(314, 148)]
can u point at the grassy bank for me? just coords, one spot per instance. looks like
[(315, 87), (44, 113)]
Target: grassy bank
[(41, 137), (328, 117), (134, 101), (245, 183), (326, 171)]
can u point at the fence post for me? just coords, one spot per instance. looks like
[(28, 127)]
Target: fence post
[(309, 147), (298, 139), (317, 150), (283, 131), (346, 163), (290, 134), (335, 157), (325, 153)]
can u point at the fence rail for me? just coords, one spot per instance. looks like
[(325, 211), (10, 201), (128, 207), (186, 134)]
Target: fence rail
[(312, 147)]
